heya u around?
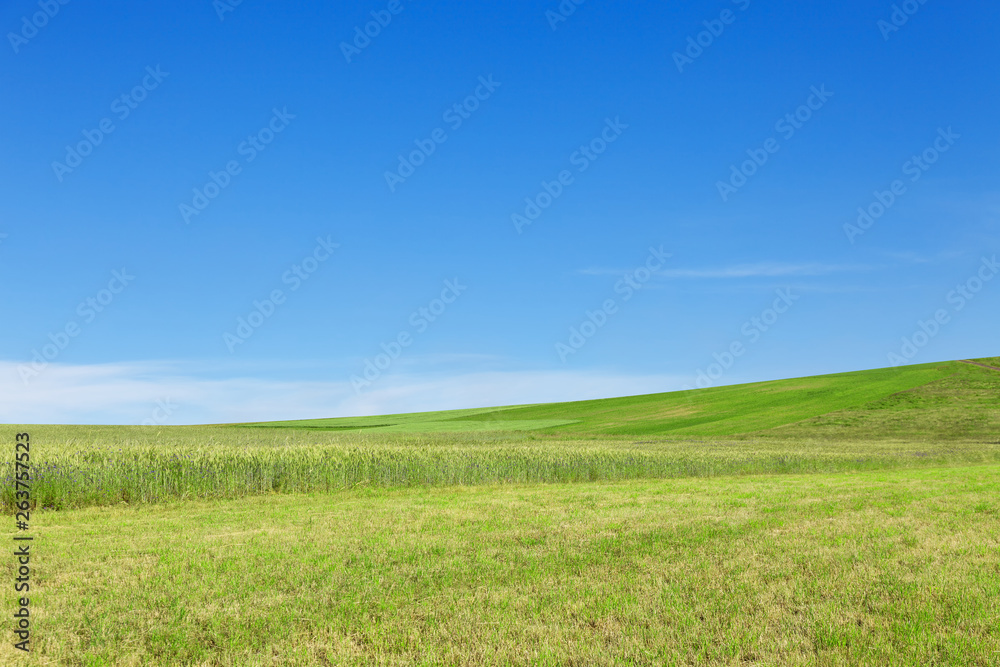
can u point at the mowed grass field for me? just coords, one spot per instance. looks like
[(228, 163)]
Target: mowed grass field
[(875, 568), (843, 519)]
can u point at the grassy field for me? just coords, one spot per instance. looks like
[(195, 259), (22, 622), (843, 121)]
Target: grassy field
[(763, 409), (934, 414), (108, 466), (875, 568), (842, 519)]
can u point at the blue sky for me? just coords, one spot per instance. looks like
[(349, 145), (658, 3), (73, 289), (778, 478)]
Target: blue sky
[(260, 137)]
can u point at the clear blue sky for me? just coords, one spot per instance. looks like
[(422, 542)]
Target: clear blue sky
[(207, 86)]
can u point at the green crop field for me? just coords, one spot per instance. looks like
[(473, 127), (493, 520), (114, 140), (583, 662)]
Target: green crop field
[(869, 400), (835, 520)]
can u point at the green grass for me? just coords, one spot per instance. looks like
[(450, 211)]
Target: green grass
[(875, 568), (935, 414), (965, 402), (446, 421), (113, 465), (848, 519), (760, 408)]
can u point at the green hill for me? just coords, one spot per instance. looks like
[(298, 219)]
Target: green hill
[(946, 400)]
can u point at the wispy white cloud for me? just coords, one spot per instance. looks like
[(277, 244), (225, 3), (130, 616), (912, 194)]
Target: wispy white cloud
[(758, 270), (766, 270), (909, 257), (129, 393)]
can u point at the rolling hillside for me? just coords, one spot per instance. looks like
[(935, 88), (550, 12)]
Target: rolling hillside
[(947, 400)]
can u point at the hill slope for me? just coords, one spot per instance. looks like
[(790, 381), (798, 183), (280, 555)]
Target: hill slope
[(947, 400)]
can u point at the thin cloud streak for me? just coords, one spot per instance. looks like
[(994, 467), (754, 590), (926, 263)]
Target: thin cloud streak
[(765, 270), (759, 270)]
